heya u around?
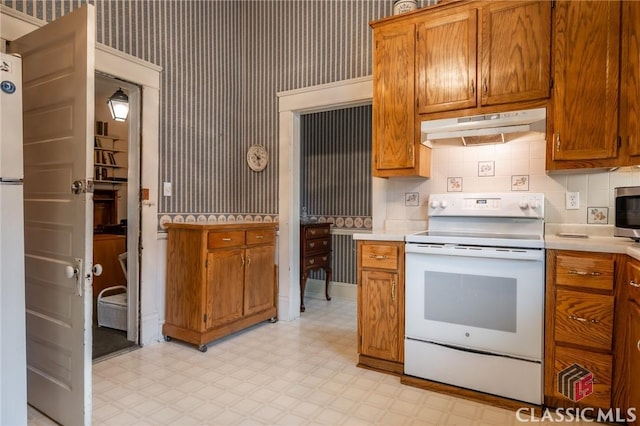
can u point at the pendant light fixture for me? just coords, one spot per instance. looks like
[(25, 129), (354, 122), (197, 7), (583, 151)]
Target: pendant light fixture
[(118, 105)]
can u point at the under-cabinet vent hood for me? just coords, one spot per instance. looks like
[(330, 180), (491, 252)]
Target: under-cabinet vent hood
[(486, 128)]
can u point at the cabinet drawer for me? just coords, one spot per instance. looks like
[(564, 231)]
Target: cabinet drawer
[(225, 239), (261, 236), (316, 261), (318, 245), (380, 256), (584, 319), (317, 232), (590, 272), (600, 365)]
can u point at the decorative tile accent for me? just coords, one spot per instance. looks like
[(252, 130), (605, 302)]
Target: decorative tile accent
[(486, 168), (212, 218), (598, 215), (411, 198), (520, 182), (454, 184)]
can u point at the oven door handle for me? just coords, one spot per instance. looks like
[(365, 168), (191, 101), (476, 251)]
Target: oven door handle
[(473, 251)]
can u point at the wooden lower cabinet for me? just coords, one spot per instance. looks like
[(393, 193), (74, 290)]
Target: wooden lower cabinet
[(584, 329), (632, 367), (381, 305), (220, 279)]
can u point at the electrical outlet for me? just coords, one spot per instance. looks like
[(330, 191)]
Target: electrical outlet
[(572, 201), (166, 189)]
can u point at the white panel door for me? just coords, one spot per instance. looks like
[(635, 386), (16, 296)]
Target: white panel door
[(58, 71)]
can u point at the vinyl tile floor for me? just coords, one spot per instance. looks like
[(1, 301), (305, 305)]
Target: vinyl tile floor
[(299, 372)]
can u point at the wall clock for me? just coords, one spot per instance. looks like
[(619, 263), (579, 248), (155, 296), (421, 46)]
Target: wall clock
[(257, 158)]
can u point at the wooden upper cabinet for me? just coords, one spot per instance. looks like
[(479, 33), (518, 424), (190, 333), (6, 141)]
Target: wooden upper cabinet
[(630, 84), (393, 97), (515, 49), (586, 52), (485, 54), (446, 61)]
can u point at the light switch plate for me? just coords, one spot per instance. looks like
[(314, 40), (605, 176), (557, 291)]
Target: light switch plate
[(572, 201), (166, 189)]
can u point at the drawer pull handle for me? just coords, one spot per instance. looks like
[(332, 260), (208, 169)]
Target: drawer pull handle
[(638, 345), (393, 290), (226, 239), (259, 237), (312, 261), (377, 256), (312, 231), (242, 257), (324, 243), (583, 273), (575, 318), (312, 245), (632, 283)]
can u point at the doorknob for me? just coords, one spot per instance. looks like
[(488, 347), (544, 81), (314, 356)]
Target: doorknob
[(70, 271), (97, 269)]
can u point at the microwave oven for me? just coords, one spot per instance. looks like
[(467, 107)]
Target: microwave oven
[(627, 221)]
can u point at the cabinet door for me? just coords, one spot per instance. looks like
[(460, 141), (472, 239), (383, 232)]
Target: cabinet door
[(380, 316), (446, 61), (515, 49), (586, 76), (225, 274), (259, 287), (630, 102), (634, 358), (393, 98)]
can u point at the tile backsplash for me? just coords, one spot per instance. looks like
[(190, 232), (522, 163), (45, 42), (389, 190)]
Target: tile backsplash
[(517, 165)]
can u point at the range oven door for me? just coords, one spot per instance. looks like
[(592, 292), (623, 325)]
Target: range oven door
[(479, 298)]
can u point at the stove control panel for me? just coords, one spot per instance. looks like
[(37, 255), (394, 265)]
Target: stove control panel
[(529, 205)]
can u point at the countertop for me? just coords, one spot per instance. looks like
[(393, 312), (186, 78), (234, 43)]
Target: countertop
[(598, 239)]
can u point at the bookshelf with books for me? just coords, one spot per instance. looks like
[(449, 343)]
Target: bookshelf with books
[(110, 159)]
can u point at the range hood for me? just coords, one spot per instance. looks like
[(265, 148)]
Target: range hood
[(486, 128)]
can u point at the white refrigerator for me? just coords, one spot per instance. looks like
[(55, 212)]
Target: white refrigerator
[(13, 369)]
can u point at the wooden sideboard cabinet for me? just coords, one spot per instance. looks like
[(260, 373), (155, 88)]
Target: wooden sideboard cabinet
[(380, 268), (315, 254), (220, 279), (583, 325)]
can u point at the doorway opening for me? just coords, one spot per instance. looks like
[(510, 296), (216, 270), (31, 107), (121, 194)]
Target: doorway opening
[(116, 215)]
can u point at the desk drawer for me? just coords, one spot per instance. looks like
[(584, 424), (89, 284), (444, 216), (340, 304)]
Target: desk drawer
[(225, 239), (316, 261), (261, 236), (318, 245), (317, 232), (380, 256)]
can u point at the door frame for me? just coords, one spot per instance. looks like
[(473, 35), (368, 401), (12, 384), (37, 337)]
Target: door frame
[(15, 24), (291, 105)]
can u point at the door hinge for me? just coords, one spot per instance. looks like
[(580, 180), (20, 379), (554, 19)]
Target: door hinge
[(553, 4), (204, 318)]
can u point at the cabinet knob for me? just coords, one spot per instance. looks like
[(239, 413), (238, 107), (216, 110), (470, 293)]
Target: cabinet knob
[(632, 283)]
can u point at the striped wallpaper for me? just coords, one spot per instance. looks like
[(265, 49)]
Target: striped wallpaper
[(223, 63)]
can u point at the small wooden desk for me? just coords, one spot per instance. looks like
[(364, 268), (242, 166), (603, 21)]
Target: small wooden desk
[(315, 253)]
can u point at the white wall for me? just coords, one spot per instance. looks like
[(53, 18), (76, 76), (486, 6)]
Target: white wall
[(521, 156)]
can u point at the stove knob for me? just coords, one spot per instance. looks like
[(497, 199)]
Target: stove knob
[(534, 204), (435, 204), (523, 205), (444, 204)]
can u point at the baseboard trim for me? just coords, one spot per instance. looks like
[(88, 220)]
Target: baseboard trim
[(315, 290)]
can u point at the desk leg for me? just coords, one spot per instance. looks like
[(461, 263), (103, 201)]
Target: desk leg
[(326, 283), (303, 284)]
